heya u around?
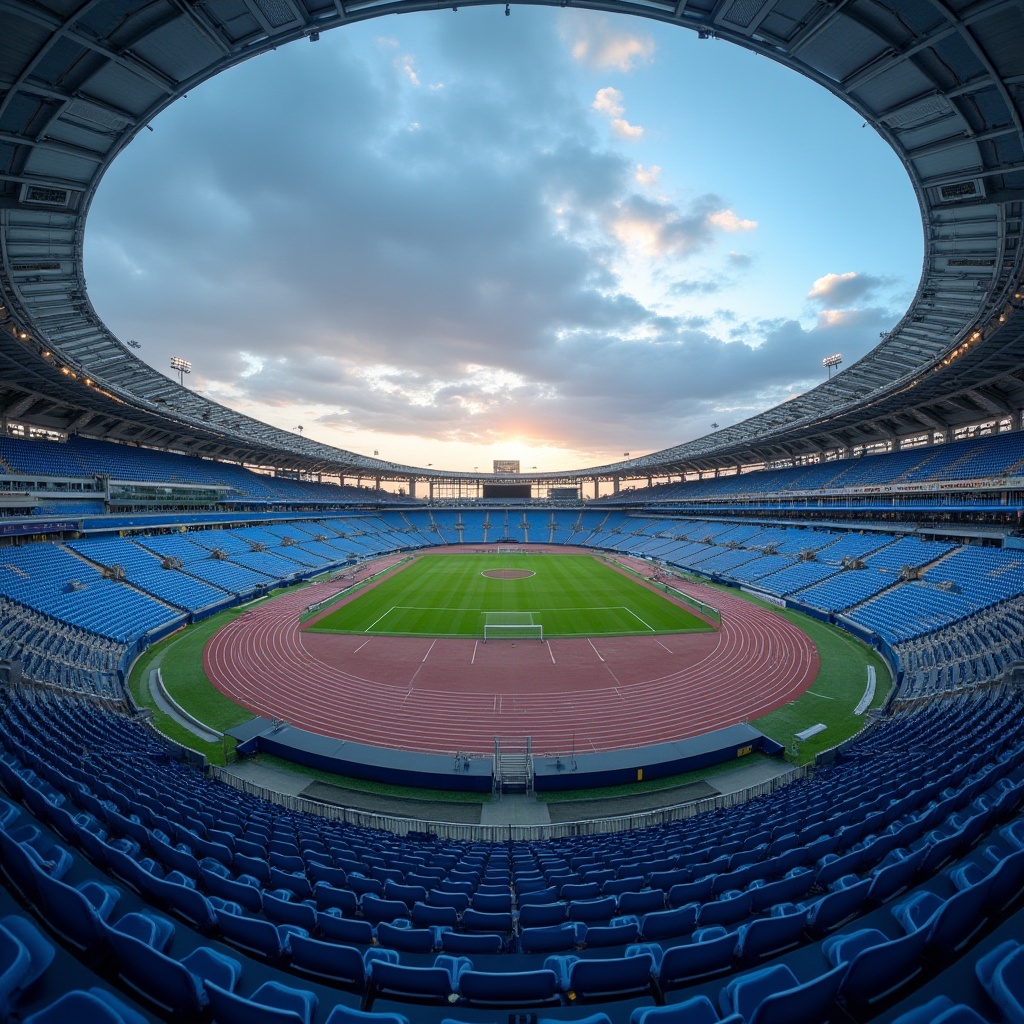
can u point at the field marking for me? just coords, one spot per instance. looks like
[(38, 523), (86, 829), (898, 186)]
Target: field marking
[(660, 644), (429, 649), (637, 617), (362, 645), (552, 654), (375, 621), (821, 695), (476, 643), (596, 651)]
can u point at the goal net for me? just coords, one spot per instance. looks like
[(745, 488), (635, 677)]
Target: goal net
[(511, 626)]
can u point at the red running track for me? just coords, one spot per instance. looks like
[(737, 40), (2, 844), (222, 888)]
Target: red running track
[(445, 695)]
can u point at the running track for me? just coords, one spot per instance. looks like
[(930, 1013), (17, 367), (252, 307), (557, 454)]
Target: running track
[(445, 695)]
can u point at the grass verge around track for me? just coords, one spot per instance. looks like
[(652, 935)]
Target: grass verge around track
[(569, 595)]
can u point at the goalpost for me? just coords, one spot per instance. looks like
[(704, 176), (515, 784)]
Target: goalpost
[(511, 626)]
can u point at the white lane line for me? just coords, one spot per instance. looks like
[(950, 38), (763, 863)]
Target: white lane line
[(362, 645), (429, 649), (660, 644), (596, 651), (472, 660), (551, 653)]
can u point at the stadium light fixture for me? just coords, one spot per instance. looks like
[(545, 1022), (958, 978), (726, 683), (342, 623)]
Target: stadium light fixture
[(132, 343), (181, 367), (831, 362), (299, 428)]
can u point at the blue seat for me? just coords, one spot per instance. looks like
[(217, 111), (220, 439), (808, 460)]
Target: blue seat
[(482, 921), (344, 965), (345, 929), (492, 903), (876, 967), (247, 893), (949, 924), (376, 909), (646, 902), (774, 994), (836, 908), (437, 983), (730, 908), (539, 915), (1001, 973), (342, 1014), (257, 935), (424, 915), (519, 988), (940, 1010), (24, 956), (591, 911), (75, 913), (175, 986), (271, 1003), (95, 1006), (668, 924), (700, 959), (584, 979), (552, 938), (471, 944), (408, 940), (282, 909), (769, 935), (698, 1010), (620, 931)]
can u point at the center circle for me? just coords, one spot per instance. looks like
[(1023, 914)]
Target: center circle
[(507, 574)]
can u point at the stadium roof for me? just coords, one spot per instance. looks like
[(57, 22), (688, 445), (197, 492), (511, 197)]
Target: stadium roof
[(943, 82)]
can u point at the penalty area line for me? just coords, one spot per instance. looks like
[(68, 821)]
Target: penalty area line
[(375, 621), (638, 619)]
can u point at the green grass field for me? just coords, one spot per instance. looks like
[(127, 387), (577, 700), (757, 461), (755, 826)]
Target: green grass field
[(569, 595)]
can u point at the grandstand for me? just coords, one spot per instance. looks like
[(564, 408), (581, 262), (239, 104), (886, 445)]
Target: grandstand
[(884, 882)]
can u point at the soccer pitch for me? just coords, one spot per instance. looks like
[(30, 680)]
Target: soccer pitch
[(569, 595)]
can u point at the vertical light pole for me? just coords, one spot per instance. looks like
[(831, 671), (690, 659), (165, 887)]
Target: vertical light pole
[(833, 361), (181, 367)]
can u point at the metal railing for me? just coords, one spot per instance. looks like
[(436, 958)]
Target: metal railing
[(505, 833)]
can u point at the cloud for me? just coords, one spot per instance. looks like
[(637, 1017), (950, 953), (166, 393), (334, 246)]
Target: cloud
[(374, 280), (726, 220), (608, 101), (695, 287), (601, 47), (844, 289), (658, 228), (407, 66), (647, 175)]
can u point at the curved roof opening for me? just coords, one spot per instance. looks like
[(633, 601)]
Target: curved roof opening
[(558, 236)]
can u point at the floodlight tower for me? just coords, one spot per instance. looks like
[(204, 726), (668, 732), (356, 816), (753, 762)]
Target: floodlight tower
[(181, 367), (834, 360)]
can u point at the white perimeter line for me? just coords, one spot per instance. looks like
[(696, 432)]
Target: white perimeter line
[(596, 651), (472, 660), (429, 649), (362, 645), (660, 644), (821, 695), (375, 621), (551, 653), (637, 617)]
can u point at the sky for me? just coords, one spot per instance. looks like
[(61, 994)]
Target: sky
[(452, 237)]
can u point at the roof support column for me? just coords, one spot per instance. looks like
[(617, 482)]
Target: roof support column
[(412, 487)]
